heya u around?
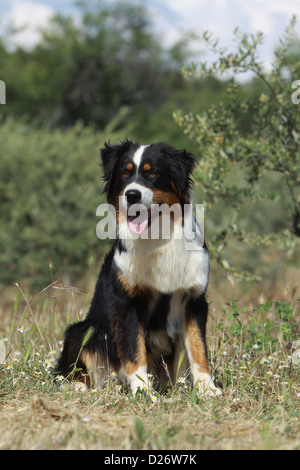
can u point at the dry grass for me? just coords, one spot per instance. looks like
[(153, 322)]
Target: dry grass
[(74, 422), (259, 408)]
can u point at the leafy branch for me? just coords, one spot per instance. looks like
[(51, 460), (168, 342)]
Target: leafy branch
[(258, 136)]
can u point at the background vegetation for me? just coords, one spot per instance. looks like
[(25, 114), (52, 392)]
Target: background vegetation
[(105, 77), (108, 76)]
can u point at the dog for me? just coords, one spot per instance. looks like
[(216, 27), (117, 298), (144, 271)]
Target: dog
[(149, 302)]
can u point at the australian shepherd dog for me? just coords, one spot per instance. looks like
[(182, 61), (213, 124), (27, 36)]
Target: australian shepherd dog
[(149, 303)]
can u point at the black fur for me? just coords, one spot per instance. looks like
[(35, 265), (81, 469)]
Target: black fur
[(118, 313)]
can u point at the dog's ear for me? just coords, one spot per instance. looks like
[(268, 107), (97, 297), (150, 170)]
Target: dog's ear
[(110, 155), (182, 164)]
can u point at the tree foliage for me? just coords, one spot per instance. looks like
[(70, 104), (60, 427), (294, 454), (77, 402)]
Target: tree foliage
[(244, 140), (103, 76), (87, 68), (49, 195), (108, 75)]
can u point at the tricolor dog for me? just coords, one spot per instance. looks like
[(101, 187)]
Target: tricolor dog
[(149, 302)]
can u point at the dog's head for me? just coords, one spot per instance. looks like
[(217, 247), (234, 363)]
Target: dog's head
[(146, 177)]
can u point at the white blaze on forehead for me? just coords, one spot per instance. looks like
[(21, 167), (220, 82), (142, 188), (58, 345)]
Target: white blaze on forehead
[(137, 157), (147, 194)]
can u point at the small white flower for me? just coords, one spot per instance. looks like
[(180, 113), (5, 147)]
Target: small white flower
[(264, 360), (21, 329), (181, 380), (153, 398), (85, 419), (48, 365)]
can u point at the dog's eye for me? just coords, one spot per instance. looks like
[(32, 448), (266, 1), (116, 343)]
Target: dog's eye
[(152, 174), (125, 174)]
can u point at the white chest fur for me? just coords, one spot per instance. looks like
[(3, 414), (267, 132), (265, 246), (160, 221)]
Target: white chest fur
[(167, 267)]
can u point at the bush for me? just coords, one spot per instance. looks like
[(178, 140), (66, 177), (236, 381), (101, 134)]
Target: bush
[(49, 191), (249, 151)]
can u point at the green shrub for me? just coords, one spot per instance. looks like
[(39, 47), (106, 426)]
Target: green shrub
[(249, 152), (50, 188)]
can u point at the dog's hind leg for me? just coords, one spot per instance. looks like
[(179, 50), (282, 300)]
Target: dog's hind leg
[(83, 351)]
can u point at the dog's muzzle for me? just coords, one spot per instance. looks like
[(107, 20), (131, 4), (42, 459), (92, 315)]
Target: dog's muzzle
[(133, 196)]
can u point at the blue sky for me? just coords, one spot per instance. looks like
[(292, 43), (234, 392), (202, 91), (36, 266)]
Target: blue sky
[(171, 17)]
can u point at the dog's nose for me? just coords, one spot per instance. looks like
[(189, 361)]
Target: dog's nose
[(133, 196)]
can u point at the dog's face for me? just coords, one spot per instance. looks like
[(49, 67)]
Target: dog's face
[(139, 179)]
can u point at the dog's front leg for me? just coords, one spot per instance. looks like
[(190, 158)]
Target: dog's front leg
[(136, 366), (195, 344), (130, 339)]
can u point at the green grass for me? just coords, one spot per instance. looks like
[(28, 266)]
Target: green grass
[(252, 357)]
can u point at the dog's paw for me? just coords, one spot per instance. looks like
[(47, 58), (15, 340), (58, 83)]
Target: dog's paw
[(80, 387), (139, 381), (207, 388)]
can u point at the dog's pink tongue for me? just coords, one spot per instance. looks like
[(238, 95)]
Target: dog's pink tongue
[(138, 225)]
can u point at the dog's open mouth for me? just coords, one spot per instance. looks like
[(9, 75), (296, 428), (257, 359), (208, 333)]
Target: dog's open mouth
[(141, 220)]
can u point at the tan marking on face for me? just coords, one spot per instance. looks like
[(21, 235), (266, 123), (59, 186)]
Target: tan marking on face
[(121, 215), (129, 166), (147, 167), (165, 197), (170, 205)]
